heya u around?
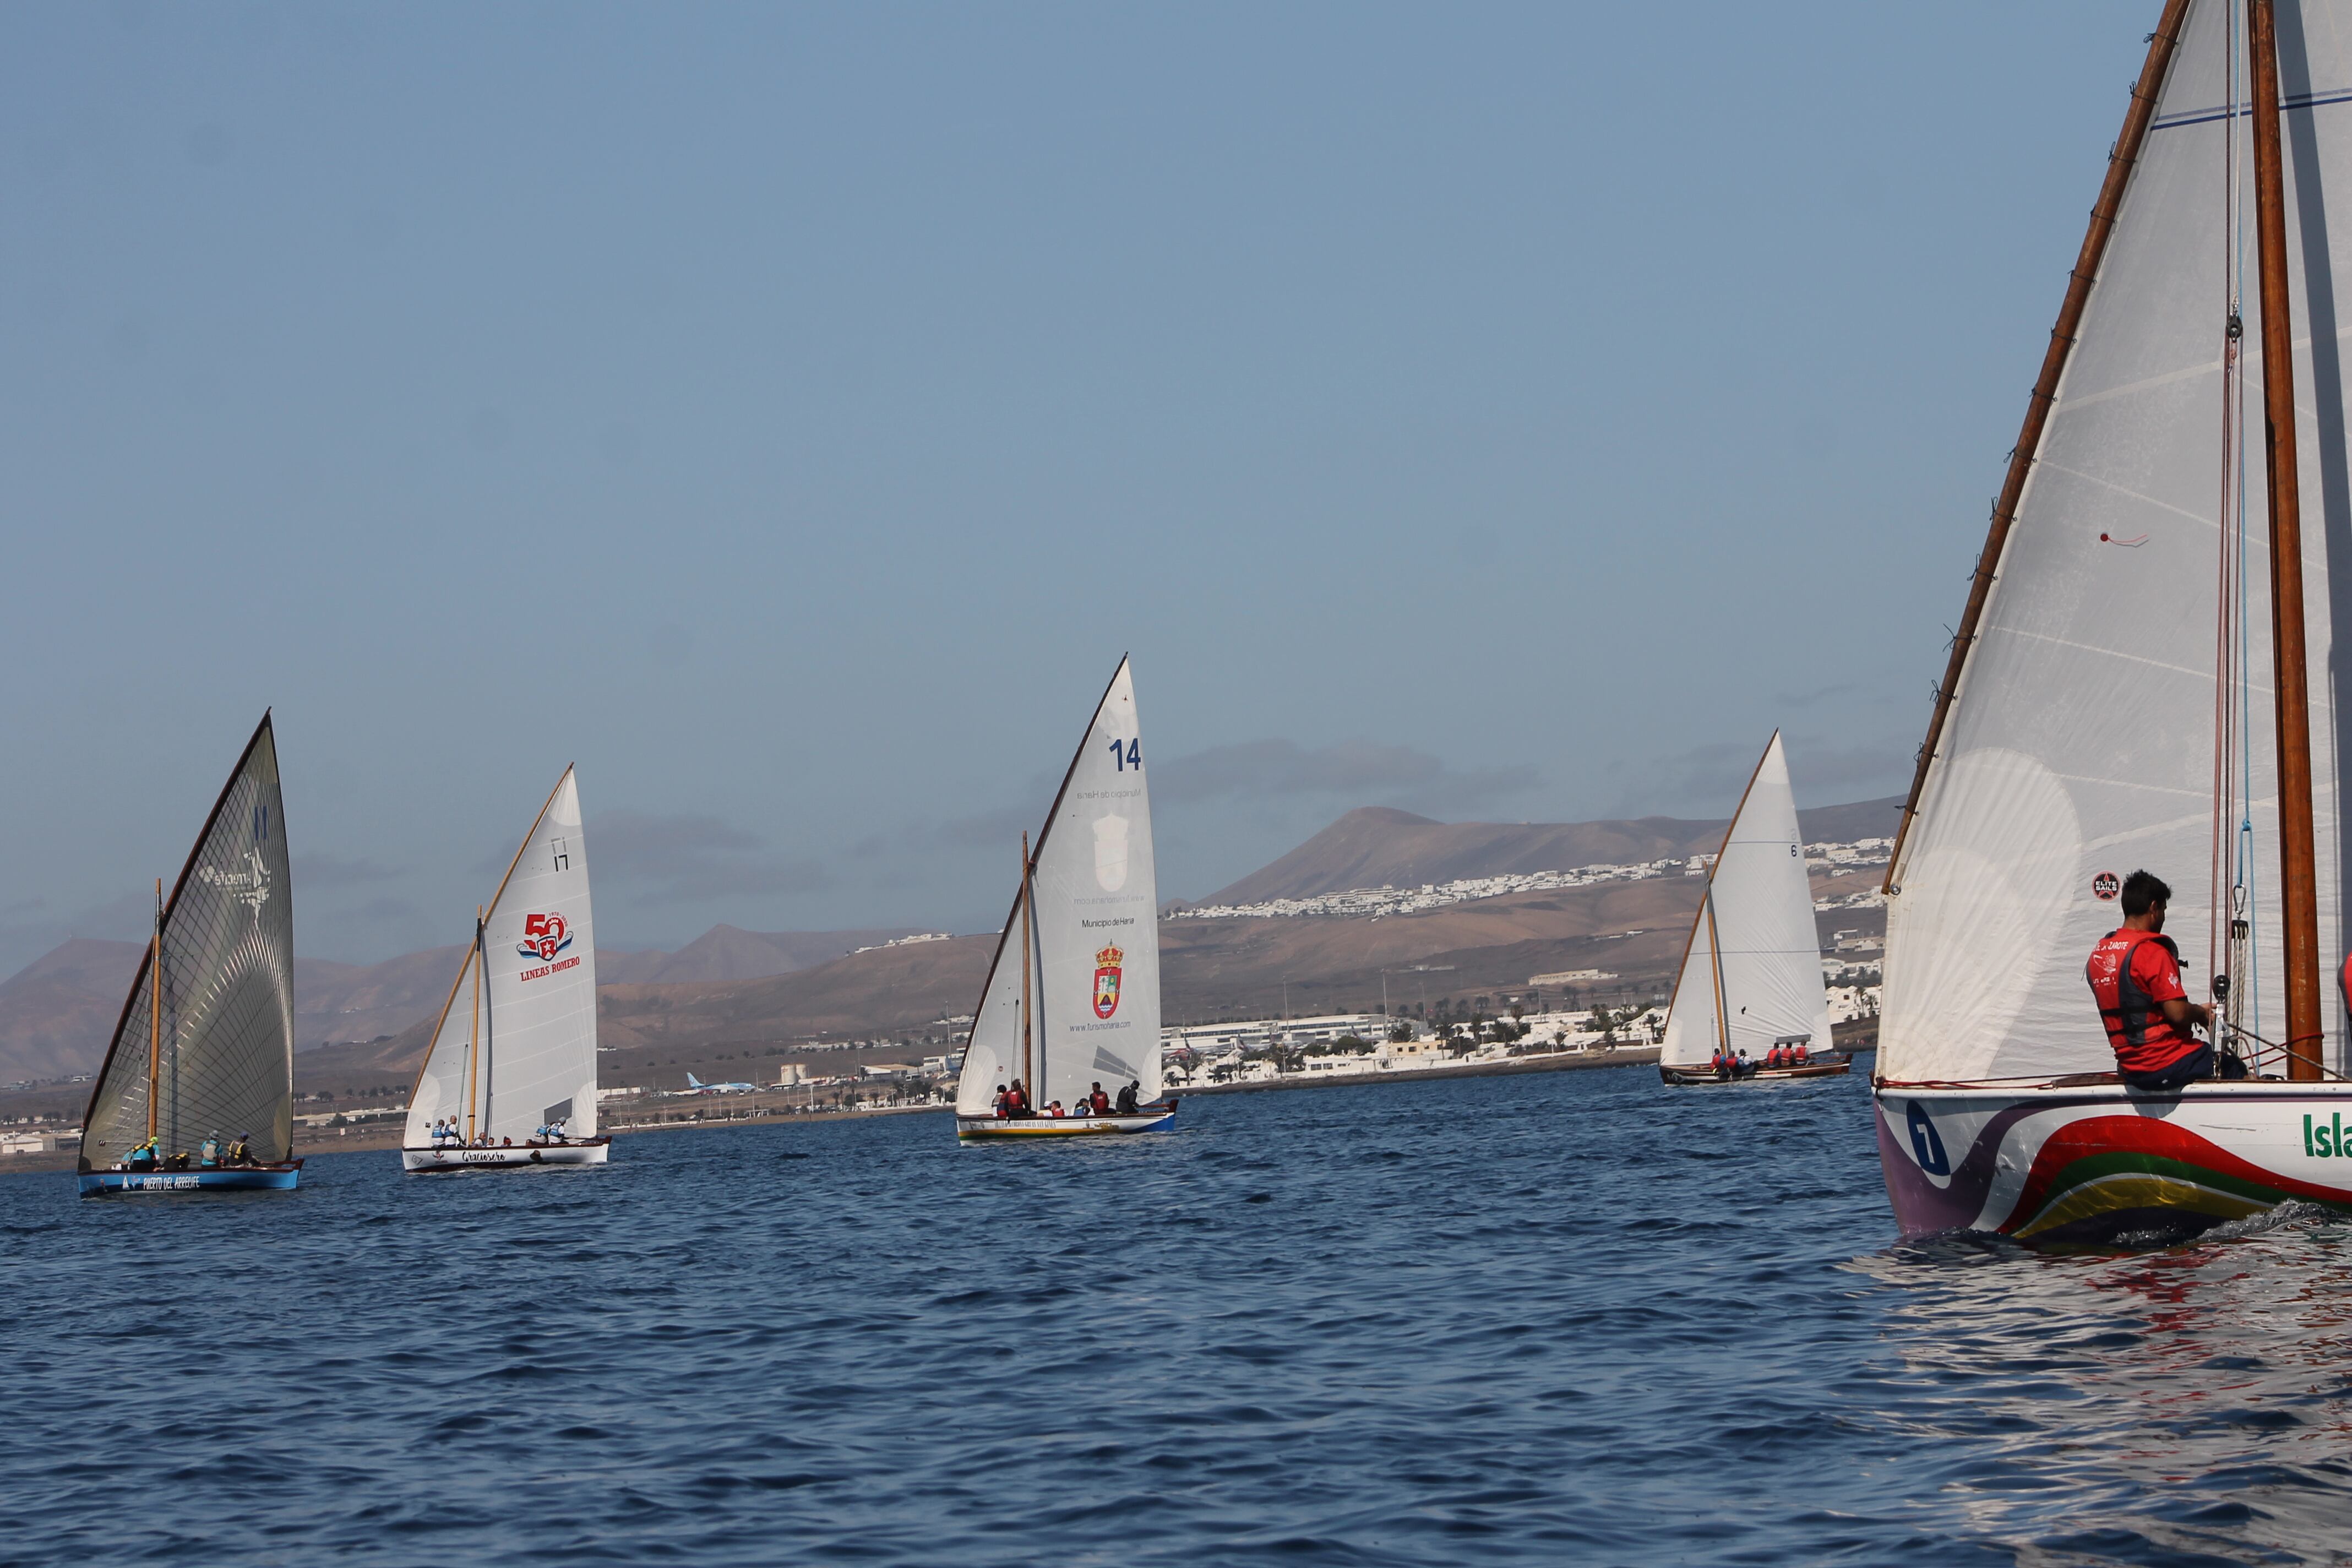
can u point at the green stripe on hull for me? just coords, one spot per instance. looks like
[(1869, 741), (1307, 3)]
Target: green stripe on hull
[(2168, 1184)]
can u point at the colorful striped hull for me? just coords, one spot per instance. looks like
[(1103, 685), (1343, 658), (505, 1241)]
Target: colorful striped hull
[(2069, 1163)]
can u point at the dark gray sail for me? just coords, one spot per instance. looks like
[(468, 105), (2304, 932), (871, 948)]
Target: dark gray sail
[(223, 1059)]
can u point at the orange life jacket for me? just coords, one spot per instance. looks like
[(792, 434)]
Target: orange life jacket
[(2143, 1039)]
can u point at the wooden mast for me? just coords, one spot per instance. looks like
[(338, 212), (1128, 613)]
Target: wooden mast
[(155, 1011), (2121, 158), (1715, 953), (2298, 876), (474, 1033), (1028, 1061)]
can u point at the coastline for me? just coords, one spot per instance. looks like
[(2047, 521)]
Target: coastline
[(311, 1144), (1550, 1061)]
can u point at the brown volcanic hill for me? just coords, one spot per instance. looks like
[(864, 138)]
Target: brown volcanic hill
[(1374, 846), (652, 1034), (726, 952), (57, 1013), (340, 1001)]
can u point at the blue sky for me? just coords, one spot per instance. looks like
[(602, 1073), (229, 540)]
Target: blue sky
[(791, 413)]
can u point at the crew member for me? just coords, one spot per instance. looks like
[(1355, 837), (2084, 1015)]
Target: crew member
[(2135, 975), (1126, 1097), (1004, 1103), (1098, 1102)]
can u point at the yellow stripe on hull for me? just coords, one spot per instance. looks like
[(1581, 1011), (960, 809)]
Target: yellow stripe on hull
[(2138, 1190)]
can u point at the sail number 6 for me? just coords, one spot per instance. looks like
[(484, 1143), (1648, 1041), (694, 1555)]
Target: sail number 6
[(1128, 753)]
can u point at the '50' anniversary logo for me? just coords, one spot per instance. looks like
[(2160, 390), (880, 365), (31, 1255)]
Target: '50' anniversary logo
[(544, 936)]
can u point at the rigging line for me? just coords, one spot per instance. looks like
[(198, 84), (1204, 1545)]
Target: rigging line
[(2248, 986), (2217, 954)]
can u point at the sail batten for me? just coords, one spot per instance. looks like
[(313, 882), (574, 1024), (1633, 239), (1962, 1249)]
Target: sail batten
[(1094, 941)]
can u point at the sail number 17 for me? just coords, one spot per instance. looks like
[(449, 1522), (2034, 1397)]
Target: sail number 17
[(1128, 753)]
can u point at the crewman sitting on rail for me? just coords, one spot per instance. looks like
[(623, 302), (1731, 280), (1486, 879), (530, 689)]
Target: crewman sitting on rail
[(142, 1156), (1128, 1097), (1003, 1104), (208, 1152), (241, 1151), (2135, 977), (1016, 1100), (1053, 1108), (1098, 1102), (1798, 1055)]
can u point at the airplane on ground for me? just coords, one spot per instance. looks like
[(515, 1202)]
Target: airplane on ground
[(695, 1086)]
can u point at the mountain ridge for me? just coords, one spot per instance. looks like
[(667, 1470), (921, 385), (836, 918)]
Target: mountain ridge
[(1378, 847)]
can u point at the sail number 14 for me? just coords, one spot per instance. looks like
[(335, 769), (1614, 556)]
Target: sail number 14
[(1128, 753)]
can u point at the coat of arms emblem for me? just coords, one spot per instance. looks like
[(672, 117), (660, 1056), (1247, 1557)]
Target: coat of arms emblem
[(1107, 967)]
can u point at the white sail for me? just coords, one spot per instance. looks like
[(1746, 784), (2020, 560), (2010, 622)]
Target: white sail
[(1095, 942), (515, 1048), (1752, 972), (2080, 744), (993, 1059)]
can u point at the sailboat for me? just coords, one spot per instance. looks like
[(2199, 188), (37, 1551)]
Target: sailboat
[(1072, 998), (2141, 679), (1751, 973), (197, 1088), (512, 1077)]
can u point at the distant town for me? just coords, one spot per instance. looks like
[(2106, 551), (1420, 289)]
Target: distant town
[(1562, 1017)]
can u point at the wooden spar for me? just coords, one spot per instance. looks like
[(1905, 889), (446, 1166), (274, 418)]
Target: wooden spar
[(155, 1011), (1715, 953), (2298, 875), (490, 1025), (474, 1033), (1028, 1062), (2120, 161)]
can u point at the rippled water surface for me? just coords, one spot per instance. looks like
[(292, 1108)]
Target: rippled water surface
[(1568, 1318)]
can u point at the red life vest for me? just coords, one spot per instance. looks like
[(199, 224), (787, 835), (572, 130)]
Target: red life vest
[(1803, 1055), (2143, 1039)]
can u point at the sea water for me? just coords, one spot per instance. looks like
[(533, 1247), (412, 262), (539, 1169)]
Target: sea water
[(1566, 1318)]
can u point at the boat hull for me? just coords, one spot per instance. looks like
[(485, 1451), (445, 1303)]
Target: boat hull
[(238, 1179), (1696, 1077), (988, 1128), (2086, 1161), (587, 1152)]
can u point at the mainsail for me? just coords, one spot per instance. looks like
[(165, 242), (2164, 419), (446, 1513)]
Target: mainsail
[(515, 1048), (1752, 972), (220, 1059), (1094, 958), (2081, 738)]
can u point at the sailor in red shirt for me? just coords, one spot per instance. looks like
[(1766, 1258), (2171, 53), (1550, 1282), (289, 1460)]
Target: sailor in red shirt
[(2135, 974)]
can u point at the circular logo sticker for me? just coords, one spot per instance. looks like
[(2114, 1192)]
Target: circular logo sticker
[(2105, 886)]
